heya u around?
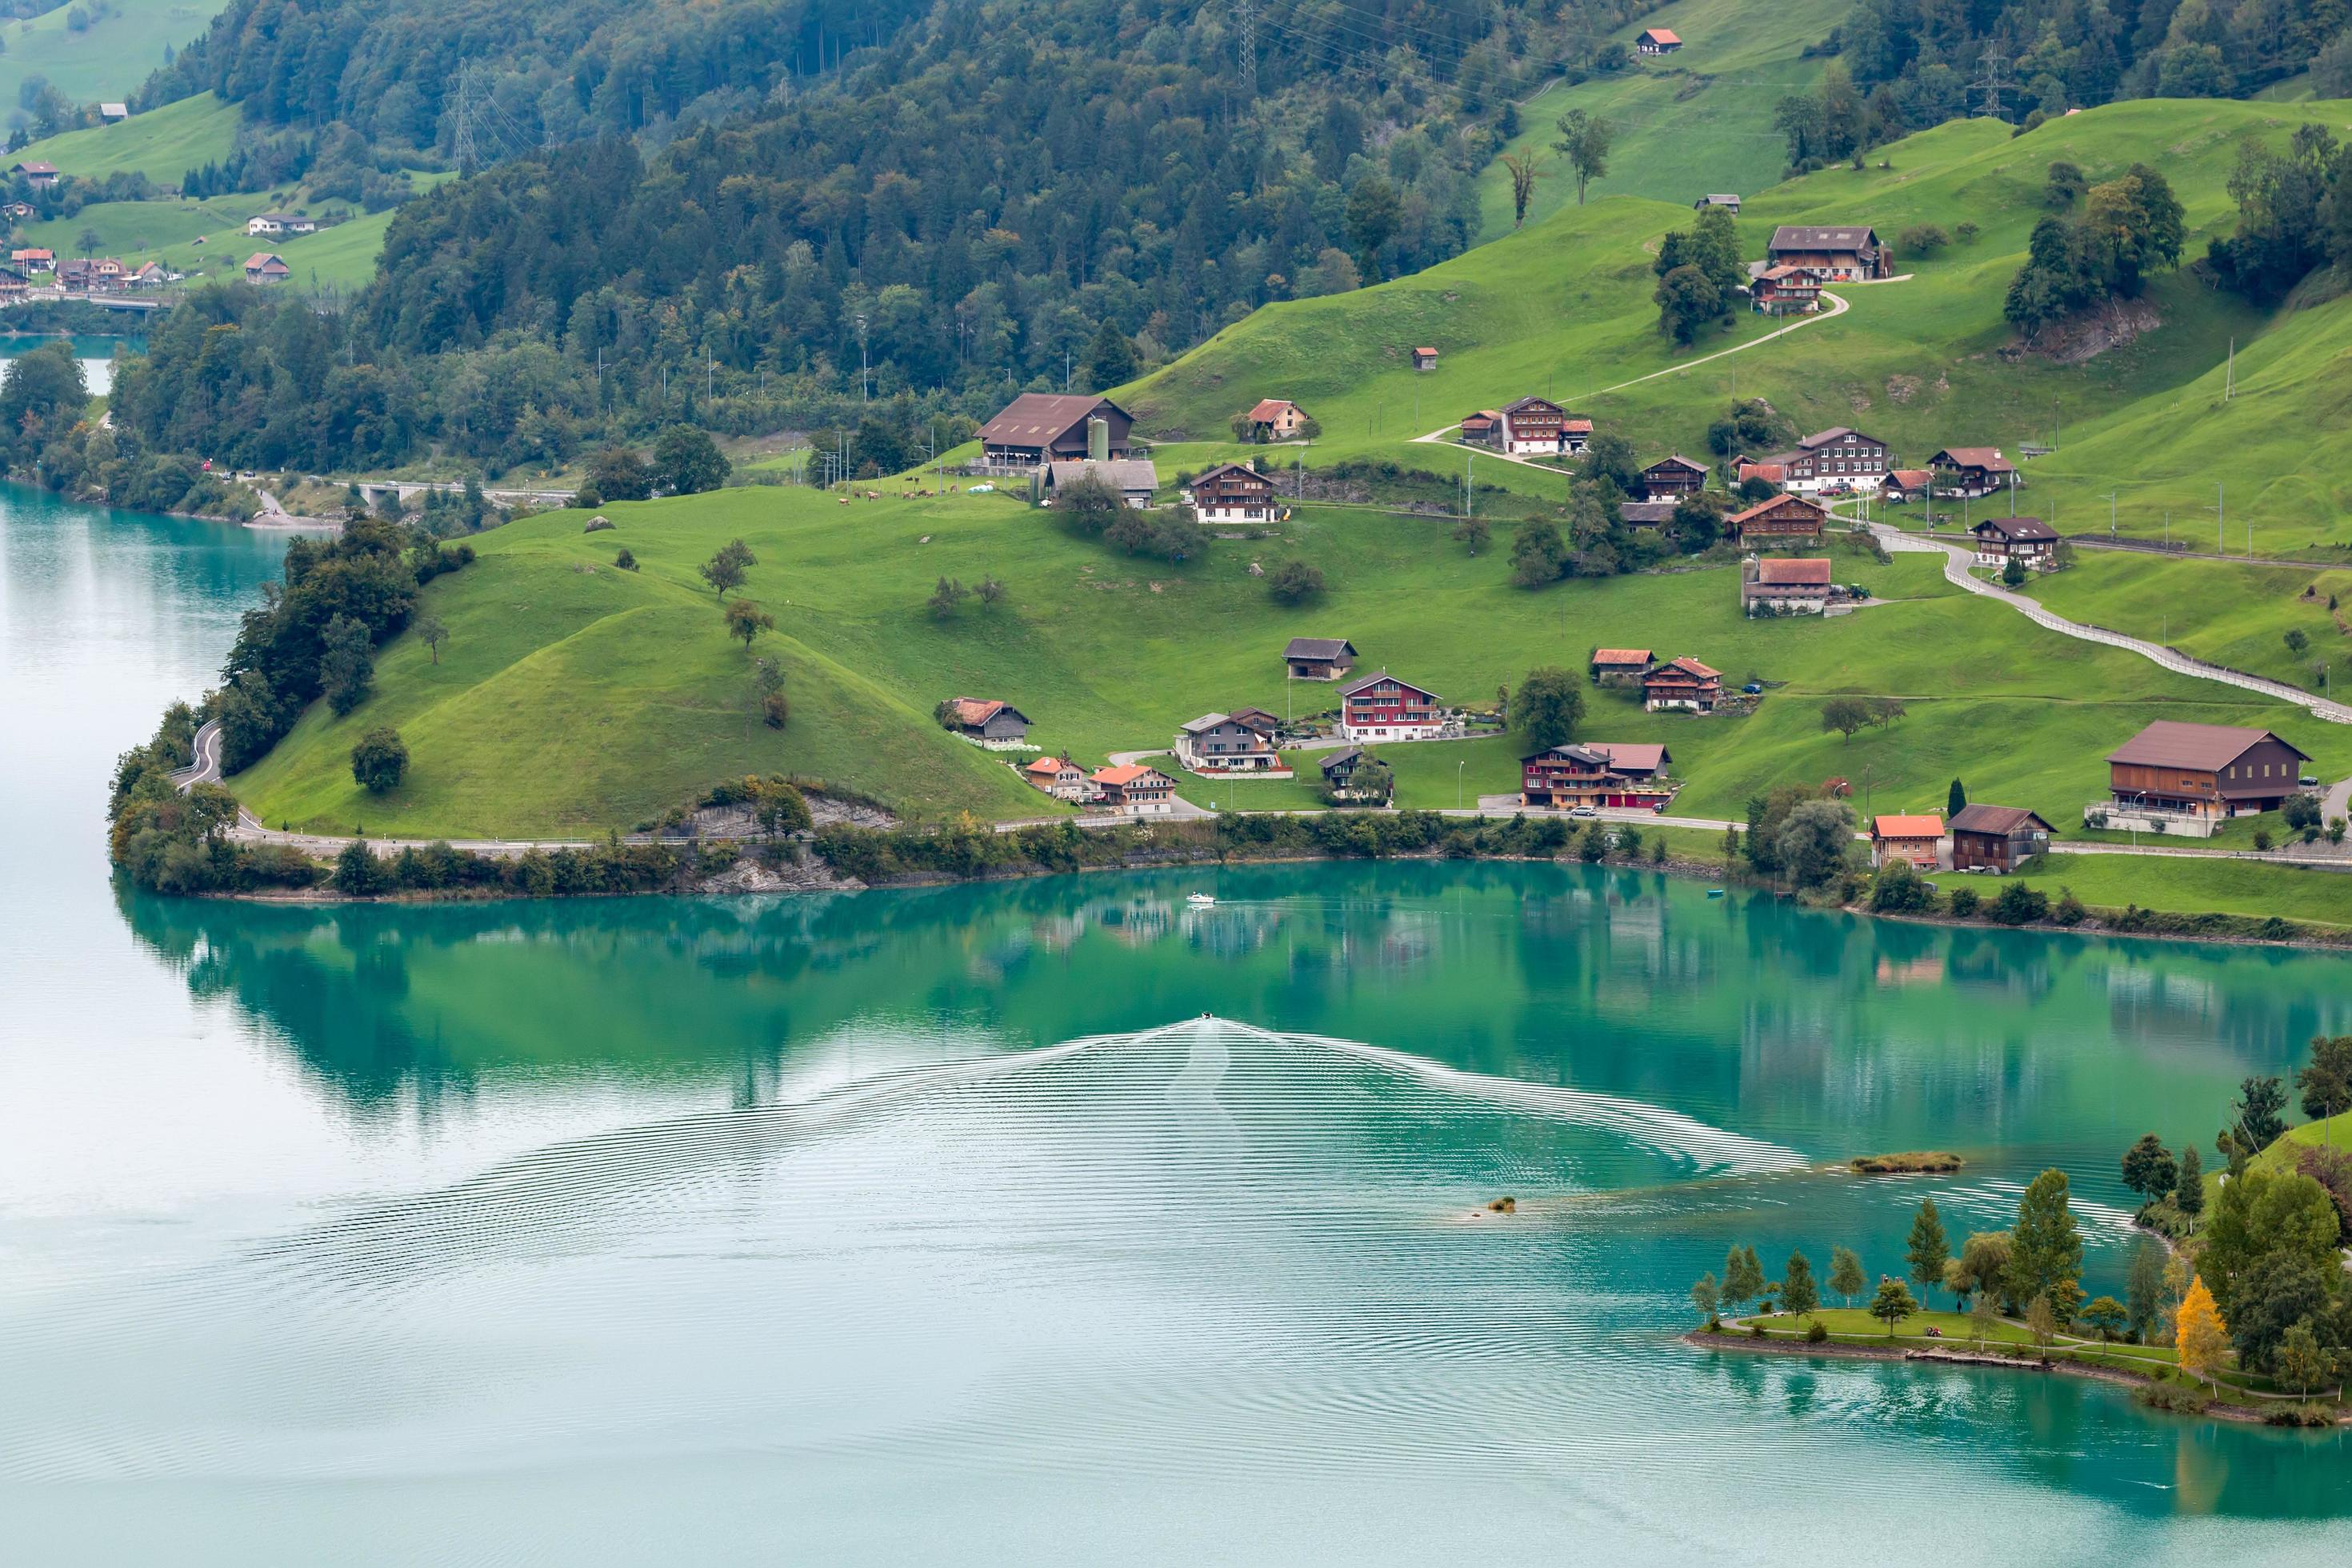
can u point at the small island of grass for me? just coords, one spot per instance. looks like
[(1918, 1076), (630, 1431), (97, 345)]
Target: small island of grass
[(1916, 1162)]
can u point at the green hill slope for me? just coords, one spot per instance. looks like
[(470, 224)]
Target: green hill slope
[(1698, 120), (570, 696), (1563, 308), (107, 57), (162, 143)]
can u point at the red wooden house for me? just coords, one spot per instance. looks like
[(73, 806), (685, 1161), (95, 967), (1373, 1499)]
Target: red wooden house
[(1379, 707)]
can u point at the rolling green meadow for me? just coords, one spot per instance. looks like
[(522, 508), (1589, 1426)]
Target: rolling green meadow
[(108, 58), (162, 143), (573, 697), (1699, 120)]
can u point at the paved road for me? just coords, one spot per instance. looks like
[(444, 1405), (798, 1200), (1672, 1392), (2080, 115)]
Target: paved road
[(1959, 557), (1837, 308)]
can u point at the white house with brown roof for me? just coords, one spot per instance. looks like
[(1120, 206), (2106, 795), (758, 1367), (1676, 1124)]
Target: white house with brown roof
[(1134, 790), (1972, 471), (1275, 419), (1059, 777), (1232, 493), (1835, 459), (1238, 742)]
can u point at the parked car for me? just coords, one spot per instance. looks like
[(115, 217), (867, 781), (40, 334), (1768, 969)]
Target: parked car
[(2309, 781), (1583, 811), (1754, 688)]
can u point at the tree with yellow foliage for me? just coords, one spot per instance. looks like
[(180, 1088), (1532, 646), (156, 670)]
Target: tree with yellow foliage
[(2198, 1330)]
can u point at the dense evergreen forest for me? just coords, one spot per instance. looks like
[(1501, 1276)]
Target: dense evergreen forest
[(751, 215)]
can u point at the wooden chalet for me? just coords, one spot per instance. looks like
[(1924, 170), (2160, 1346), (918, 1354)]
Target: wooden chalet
[(1683, 684), (1784, 585), (1319, 659), (1658, 41), (1618, 666), (1596, 773), (1039, 427), (984, 722), (1233, 492), (1727, 200), (1478, 429), (1134, 790), (34, 258), (1972, 471), (1646, 513), (2202, 772), (1902, 486), (264, 267), (1273, 419), (1916, 838), (1339, 770), (1671, 475), (2001, 539), (1782, 517), (1529, 427), (1379, 707), (1996, 838), (1231, 743), (1833, 460), (1059, 777), (1784, 291), (38, 174), (1837, 253), (1424, 359)]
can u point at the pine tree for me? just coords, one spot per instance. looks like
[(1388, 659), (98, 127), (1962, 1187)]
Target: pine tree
[(1928, 1250), (1892, 1304), (2144, 1289), (2198, 1330), (1954, 801), (2189, 1196)]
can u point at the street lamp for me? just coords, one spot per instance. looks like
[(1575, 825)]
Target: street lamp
[(1458, 766)]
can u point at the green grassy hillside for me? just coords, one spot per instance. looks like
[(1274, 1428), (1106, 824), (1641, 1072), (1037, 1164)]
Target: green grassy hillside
[(162, 143), (106, 59), (2232, 614), (1696, 121), (1564, 307), (572, 696)]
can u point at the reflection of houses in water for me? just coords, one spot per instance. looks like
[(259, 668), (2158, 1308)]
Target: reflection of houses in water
[(1138, 923), (1058, 932), (1926, 969), (1227, 931)]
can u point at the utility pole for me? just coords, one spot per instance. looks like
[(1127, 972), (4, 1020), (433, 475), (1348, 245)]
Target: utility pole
[(2110, 515), (861, 357), (1245, 20), (2220, 546), (468, 157)]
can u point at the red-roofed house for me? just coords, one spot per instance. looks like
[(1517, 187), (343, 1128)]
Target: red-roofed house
[(1059, 777), (1781, 587), (1424, 359), (1275, 420), (1904, 485), (998, 726), (266, 267), (34, 258), (1618, 666), (1134, 790), (1893, 836), (1379, 707), (1658, 41), (1682, 683)]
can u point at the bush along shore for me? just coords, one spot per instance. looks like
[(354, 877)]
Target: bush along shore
[(2264, 1341)]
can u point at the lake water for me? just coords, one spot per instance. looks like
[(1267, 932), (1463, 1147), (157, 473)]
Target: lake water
[(97, 354), (941, 1225)]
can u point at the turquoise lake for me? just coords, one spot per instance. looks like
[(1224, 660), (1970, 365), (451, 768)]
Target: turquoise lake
[(1047, 1222)]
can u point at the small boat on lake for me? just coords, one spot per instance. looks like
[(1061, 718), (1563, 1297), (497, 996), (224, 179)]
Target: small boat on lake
[(1200, 900), (1714, 892)]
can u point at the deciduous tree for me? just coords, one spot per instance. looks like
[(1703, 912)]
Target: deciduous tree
[(746, 620), (1846, 1278), (1800, 1295), (1584, 140), (1928, 1250), (1892, 1304), (2150, 1168), (379, 760), (2045, 1250), (2104, 1316), (2198, 1330), (1705, 1296), (1549, 706), (727, 565)]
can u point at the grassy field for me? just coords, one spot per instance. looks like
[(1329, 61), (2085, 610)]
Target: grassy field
[(2335, 1132), (2237, 615), (2192, 886), (572, 696), (108, 58), (341, 257), (1699, 120), (162, 143), (1564, 309)]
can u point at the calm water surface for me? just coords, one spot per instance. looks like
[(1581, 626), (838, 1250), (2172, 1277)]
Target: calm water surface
[(931, 1224), (97, 354)]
